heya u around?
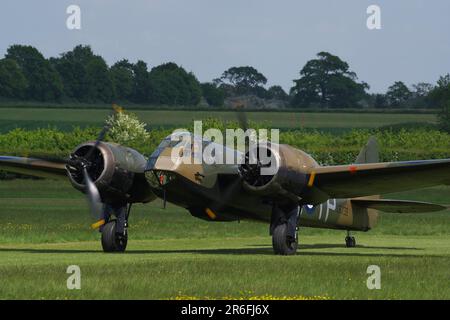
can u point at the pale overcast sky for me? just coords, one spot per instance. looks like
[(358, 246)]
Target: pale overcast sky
[(276, 37)]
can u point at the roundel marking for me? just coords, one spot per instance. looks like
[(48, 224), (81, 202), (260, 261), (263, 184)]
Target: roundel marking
[(309, 208)]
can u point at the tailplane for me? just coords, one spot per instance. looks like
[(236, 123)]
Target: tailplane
[(397, 206)]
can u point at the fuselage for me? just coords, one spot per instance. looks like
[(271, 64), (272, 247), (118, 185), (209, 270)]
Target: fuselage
[(200, 187)]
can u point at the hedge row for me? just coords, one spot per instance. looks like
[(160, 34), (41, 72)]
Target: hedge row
[(327, 148)]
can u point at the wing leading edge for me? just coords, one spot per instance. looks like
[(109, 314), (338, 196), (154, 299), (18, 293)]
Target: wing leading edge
[(359, 180), (34, 167)]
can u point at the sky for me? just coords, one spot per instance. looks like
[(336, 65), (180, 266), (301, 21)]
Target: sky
[(276, 37)]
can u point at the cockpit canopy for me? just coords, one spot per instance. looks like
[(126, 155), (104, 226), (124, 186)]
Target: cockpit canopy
[(176, 139), (191, 145)]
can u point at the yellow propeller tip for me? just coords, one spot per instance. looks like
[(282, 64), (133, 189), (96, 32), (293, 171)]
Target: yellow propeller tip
[(210, 214), (117, 108), (98, 224)]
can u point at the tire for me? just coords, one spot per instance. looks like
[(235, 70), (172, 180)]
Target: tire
[(350, 242), (281, 244), (110, 242)]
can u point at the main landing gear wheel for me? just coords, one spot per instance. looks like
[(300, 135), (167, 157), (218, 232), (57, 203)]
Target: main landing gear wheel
[(350, 242), (111, 241), (282, 244)]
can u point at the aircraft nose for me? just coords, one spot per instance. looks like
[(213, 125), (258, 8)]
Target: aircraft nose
[(163, 161), (151, 163)]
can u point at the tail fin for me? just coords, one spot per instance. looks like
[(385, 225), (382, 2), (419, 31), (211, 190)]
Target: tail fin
[(369, 153)]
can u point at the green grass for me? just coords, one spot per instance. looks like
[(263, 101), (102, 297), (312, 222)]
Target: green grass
[(44, 228), (65, 119)]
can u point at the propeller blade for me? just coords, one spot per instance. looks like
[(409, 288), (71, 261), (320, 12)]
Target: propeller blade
[(230, 191), (100, 137), (242, 119), (102, 134), (227, 195), (93, 196), (76, 162)]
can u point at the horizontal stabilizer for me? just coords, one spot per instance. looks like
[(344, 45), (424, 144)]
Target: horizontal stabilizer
[(398, 206)]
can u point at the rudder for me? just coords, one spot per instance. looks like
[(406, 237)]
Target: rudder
[(369, 153)]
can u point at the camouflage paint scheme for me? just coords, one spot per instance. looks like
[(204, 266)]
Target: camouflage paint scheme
[(336, 197), (199, 186)]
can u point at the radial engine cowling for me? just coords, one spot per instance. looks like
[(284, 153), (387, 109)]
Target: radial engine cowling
[(283, 174), (113, 169)]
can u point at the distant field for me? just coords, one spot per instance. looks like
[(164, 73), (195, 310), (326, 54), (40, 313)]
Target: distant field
[(44, 228), (65, 119)]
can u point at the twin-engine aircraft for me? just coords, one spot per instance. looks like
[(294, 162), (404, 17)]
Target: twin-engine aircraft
[(299, 193)]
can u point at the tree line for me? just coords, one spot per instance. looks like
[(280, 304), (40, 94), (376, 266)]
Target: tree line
[(81, 76)]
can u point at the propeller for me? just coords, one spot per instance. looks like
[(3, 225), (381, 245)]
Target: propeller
[(100, 137), (83, 163), (234, 186), (251, 171), (93, 196), (242, 119)]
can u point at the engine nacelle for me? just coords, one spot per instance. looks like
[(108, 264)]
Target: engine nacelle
[(285, 174), (114, 169)]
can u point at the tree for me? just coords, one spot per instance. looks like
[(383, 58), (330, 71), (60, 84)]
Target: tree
[(277, 92), (13, 83), (71, 67), (245, 80), (379, 100), (422, 89), (398, 94), (260, 92), (419, 95), (44, 83), (85, 76), (440, 94), (227, 89), (444, 117), (213, 94), (172, 85), (327, 82), (444, 81), (440, 97), (141, 82), (99, 80), (122, 77)]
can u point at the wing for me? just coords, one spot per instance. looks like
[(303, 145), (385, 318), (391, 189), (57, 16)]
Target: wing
[(34, 167), (398, 206), (359, 180)]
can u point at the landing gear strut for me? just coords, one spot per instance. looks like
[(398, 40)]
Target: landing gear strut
[(284, 230), (115, 232), (350, 241)]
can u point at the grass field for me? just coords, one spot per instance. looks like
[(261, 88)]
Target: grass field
[(65, 119), (44, 228)]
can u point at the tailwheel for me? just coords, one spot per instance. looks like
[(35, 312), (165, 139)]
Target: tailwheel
[(350, 242), (112, 241), (282, 243)]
